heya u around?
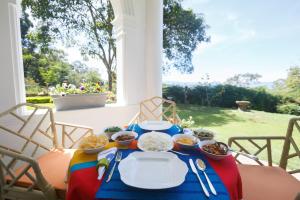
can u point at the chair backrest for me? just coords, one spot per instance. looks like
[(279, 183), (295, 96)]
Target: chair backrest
[(30, 127), (291, 145), (269, 146), (27, 131), (157, 108)]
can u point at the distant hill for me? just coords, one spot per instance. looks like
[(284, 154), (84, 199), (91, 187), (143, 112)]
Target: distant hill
[(268, 85)]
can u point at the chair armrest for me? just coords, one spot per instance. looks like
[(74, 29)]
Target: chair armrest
[(73, 125), (253, 141), (135, 119), (67, 132), (38, 180)]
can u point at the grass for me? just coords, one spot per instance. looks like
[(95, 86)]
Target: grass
[(231, 122), (51, 105)]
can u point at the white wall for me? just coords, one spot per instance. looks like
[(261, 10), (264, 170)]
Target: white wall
[(98, 118)]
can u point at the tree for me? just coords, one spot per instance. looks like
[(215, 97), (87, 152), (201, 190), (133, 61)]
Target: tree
[(289, 87), (182, 33), (243, 80), (56, 69), (92, 20), (293, 80)]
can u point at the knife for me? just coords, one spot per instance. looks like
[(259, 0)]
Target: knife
[(193, 167)]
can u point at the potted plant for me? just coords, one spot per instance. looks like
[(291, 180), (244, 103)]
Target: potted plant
[(68, 96), (186, 124)]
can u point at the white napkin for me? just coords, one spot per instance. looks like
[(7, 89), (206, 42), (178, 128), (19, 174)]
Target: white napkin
[(108, 154)]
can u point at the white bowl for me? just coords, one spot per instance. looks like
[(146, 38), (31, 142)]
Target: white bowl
[(215, 156), (97, 149), (153, 147), (203, 138), (125, 142), (186, 146)]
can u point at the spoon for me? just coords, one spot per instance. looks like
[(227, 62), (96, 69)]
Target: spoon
[(184, 154), (201, 166)]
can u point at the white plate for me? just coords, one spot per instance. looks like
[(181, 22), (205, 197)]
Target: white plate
[(155, 144), (152, 170), (155, 125)]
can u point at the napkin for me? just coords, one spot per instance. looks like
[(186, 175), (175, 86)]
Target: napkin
[(104, 158)]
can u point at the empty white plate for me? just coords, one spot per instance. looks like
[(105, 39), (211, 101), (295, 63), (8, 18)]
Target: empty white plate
[(155, 125), (152, 170)]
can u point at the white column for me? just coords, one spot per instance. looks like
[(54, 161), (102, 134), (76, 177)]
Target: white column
[(153, 47), (12, 85), (138, 33)]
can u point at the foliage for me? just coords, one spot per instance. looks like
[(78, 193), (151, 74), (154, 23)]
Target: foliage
[(187, 123), (110, 97), (56, 69), (289, 87), (72, 20), (34, 89), (224, 96), (243, 80), (90, 19), (289, 108), (85, 88), (183, 31), (39, 99)]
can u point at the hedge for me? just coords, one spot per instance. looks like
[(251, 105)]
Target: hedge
[(223, 96), (39, 99)]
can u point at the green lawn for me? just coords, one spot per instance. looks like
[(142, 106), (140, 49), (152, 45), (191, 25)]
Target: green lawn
[(51, 105), (231, 122)]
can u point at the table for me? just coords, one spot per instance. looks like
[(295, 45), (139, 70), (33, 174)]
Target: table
[(83, 183)]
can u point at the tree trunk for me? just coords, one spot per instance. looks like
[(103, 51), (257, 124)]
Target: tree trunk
[(110, 79)]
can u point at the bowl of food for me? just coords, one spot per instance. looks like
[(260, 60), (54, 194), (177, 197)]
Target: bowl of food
[(203, 134), (124, 138), (155, 141), (184, 141), (109, 131), (93, 144), (216, 150)]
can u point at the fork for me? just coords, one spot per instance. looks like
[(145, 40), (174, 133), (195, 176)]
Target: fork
[(117, 160)]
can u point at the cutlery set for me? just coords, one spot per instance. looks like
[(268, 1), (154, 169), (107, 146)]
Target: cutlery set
[(118, 158), (201, 166)]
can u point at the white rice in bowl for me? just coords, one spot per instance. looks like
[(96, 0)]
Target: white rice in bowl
[(155, 141)]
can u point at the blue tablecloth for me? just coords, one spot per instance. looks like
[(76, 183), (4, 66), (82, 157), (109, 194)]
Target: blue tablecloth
[(175, 129), (189, 190)]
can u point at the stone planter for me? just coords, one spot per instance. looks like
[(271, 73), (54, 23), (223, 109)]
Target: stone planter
[(243, 105), (79, 101)]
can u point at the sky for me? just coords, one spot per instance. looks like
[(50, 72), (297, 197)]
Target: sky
[(257, 36)]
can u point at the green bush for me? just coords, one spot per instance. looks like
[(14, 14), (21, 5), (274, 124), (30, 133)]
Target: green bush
[(224, 96), (289, 108), (39, 99)]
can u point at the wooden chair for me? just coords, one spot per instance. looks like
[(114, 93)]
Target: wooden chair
[(33, 164), (263, 180), (156, 109)]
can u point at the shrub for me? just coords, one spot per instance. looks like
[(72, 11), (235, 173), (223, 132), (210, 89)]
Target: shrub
[(39, 99), (289, 108), (224, 96), (175, 93)]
